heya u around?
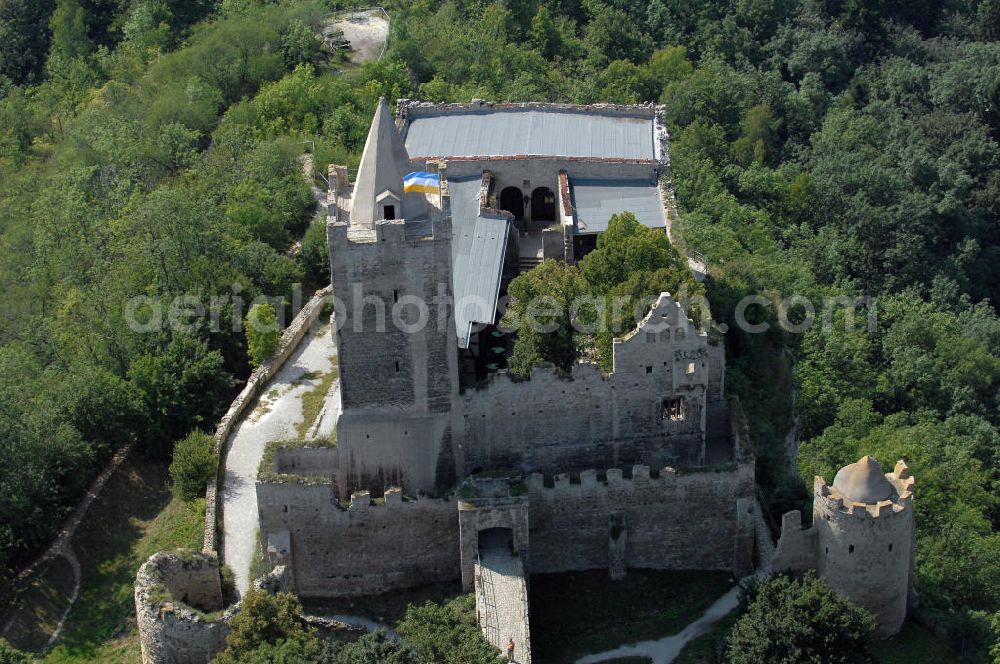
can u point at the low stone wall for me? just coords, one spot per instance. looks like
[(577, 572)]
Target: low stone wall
[(178, 606), (290, 339), (367, 548), (692, 520), (176, 594)]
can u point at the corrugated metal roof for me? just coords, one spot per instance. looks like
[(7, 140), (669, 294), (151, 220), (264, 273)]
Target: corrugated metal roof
[(596, 200), (530, 132), (477, 249)]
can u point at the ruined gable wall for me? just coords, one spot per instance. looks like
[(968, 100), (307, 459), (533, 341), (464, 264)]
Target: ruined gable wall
[(675, 521), (555, 423), (364, 549)]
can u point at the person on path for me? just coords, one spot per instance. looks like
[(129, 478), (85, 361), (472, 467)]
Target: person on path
[(510, 650)]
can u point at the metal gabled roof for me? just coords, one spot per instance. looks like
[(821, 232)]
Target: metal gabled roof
[(531, 132), (477, 251)]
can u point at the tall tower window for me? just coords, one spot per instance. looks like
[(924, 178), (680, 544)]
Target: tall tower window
[(389, 212)]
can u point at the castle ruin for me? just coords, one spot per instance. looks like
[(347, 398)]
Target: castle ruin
[(446, 467)]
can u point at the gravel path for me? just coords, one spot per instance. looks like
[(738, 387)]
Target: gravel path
[(274, 417)]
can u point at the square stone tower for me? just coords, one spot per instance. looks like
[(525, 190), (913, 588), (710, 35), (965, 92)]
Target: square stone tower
[(390, 255)]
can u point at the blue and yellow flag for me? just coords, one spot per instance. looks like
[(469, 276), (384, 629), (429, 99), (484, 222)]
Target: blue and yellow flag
[(422, 182)]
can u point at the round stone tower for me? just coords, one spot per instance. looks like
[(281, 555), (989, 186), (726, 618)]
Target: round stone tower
[(865, 538)]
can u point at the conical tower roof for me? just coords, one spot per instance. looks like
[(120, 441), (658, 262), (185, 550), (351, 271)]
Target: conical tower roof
[(863, 482), (384, 162)]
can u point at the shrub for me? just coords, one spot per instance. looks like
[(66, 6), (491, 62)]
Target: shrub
[(263, 332), (195, 461)]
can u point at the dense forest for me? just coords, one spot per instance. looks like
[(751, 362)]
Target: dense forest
[(820, 148)]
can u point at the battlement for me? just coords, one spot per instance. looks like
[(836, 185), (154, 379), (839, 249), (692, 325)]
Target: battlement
[(590, 481), (901, 480)]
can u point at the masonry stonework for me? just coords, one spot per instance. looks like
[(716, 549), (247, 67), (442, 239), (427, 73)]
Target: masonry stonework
[(861, 540)]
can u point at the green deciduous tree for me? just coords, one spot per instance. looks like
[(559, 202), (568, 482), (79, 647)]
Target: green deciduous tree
[(541, 312), (791, 621), (447, 633), (263, 332)]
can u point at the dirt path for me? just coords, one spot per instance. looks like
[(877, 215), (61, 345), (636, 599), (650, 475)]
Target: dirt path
[(367, 31), (664, 651), (274, 417), (61, 547)]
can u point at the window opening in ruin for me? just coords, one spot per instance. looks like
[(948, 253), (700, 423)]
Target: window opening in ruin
[(397, 366), (649, 369), (890, 547), (395, 295), (690, 368), (673, 408), (389, 212), (679, 335), (850, 548)]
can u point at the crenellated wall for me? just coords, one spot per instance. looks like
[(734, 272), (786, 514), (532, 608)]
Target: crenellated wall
[(366, 548), (697, 520)]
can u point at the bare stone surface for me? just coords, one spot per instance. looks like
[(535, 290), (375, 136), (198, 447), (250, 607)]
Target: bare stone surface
[(502, 602)]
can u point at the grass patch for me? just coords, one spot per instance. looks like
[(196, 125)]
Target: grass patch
[(258, 562), (135, 516), (580, 613), (913, 645), (387, 608), (314, 398), (39, 605), (710, 646), (266, 472)]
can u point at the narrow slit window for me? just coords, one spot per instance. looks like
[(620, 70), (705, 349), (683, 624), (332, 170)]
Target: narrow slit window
[(397, 366)]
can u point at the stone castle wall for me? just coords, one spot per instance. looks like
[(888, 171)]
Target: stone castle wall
[(363, 549), (676, 520), (796, 550), (555, 422), (179, 607), (699, 520)]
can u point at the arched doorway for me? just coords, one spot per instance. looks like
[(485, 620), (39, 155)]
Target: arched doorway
[(512, 201), (496, 538), (543, 205)]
